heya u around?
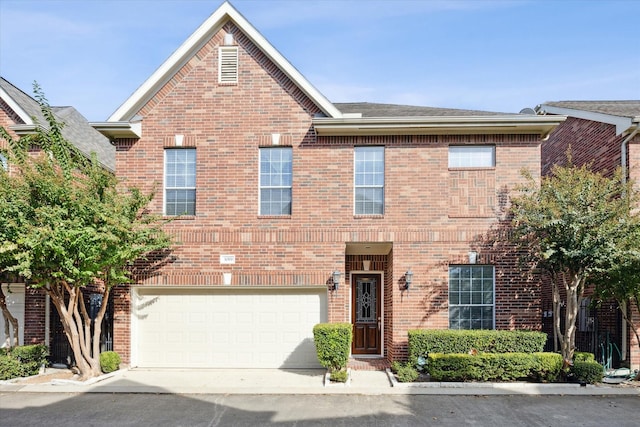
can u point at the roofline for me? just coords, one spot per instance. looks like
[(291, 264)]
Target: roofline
[(431, 125), (15, 107), (178, 58), (622, 123)]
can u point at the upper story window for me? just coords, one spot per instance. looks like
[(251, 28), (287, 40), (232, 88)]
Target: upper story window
[(3, 162), (276, 174), (369, 180), (472, 156), (228, 64), (180, 181), (471, 297)]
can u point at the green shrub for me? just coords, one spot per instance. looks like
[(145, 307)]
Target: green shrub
[(548, 367), (11, 368), (406, 373), (333, 344), (36, 354), (494, 366), (422, 342), (339, 376), (109, 361), (587, 372), (583, 356)]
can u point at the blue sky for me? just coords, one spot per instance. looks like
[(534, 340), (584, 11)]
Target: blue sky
[(494, 55)]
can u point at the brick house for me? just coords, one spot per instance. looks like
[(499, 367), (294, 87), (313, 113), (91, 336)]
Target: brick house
[(290, 210), (20, 115), (606, 133)]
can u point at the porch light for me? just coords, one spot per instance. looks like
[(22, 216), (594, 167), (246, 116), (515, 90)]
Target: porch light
[(408, 278), (336, 280)]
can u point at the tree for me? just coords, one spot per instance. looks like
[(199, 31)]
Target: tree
[(67, 225), (576, 225)]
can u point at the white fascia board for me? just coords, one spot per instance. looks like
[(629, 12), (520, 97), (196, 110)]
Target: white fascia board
[(16, 107), (131, 106), (542, 125), (113, 130), (622, 124)]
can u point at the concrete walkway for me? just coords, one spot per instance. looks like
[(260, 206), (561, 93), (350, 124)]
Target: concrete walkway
[(280, 381)]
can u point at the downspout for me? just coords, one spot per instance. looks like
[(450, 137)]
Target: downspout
[(623, 165)]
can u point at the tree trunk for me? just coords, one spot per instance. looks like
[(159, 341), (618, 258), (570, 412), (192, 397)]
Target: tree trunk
[(9, 320), (77, 328), (574, 290)]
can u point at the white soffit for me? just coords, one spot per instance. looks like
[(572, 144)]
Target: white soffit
[(621, 123), (213, 24)]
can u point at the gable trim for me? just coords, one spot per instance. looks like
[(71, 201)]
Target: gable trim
[(622, 124), (213, 24), (28, 121)]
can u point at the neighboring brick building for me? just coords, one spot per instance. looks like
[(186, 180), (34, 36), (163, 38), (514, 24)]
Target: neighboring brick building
[(606, 134), (20, 115), (280, 188)]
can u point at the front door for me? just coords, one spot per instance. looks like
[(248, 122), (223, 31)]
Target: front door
[(366, 314)]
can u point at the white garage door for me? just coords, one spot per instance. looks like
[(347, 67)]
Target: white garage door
[(226, 328)]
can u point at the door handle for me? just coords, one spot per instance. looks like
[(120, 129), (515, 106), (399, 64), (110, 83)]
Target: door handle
[(379, 323)]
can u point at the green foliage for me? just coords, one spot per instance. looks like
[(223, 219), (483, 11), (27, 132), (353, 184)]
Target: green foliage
[(583, 356), (333, 344), (577, 227), (548, 367), (589, 372), (22, 361), (423, 342), (405, 373), (11, 368), (494, 366), (109, 361), (339, 376), (65, 223)]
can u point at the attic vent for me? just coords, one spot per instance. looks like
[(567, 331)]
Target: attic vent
[(228, 64)]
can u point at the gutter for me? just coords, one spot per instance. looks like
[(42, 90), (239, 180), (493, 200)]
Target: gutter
[(542, 125)]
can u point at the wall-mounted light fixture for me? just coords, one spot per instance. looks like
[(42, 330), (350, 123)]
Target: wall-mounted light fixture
[(408, 278), (335, 277), (473, 257)]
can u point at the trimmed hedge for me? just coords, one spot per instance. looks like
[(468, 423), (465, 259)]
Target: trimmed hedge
[(589, 372), (333, 344), (423, 342), (493, 366)]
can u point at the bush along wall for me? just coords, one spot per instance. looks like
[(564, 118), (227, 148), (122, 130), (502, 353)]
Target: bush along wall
[(333, 345), (423, 342), (22, 361)]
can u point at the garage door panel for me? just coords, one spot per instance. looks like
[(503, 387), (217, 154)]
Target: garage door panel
[(228, 328)]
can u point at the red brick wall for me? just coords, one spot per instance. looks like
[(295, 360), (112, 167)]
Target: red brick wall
[(229, 123), (590, 141)]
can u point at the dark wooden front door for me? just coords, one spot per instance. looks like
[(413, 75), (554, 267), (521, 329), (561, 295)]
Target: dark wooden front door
[(366, 314)]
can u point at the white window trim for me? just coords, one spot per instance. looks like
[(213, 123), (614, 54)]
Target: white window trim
[(382, 186), (461, 148), (273, 187), (493, 302), (164, 181)]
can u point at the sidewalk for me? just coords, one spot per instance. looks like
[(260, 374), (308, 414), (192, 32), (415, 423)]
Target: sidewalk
[(278, 381)]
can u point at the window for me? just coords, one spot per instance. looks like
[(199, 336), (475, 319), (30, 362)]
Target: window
[(471, 297), (3, 162), (228, 64), (472, 156), (369, 180), (180, 181), (275, 181)]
